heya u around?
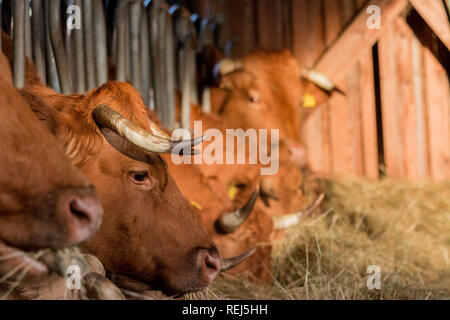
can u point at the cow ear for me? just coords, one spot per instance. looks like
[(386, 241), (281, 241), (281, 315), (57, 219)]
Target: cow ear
[(48, 115), (312, 95)]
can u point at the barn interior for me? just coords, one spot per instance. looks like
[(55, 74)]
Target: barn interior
[(378, 147)]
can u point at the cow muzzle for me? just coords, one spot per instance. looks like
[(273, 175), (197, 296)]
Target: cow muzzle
[(80, 213), (210, 264)]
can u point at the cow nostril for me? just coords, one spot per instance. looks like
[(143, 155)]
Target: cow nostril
[(210, 263), (80, 209)]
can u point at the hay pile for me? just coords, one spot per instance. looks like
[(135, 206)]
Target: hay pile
[(403, 228)]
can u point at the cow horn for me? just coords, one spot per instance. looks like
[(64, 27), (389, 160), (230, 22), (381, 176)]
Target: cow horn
[(230, 222), (319, 79), (226, 66), (290, 220), (229, 263), (156, 130), (105, 116)]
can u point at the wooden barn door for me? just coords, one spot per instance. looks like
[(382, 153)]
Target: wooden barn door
[(394, 116), (415, 101)]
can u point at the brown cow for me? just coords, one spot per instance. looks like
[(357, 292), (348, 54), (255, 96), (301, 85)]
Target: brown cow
[(44, 201), (151, 237), (246, 177), (251, 226), (267, 90)]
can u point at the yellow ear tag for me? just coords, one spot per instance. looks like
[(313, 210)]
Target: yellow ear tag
[(309, 101), (232, 192), (196, 205)]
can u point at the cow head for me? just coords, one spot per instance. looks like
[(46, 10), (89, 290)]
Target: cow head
[(150, 237), (45, 202), (234, 229), (268, 90)]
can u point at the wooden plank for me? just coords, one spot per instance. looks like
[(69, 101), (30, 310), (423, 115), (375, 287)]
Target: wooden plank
[(359, 4), (437, 100), (333, 23), (326, 163), (308, 43), (354, 118), (313, 140), (287, 24), (368, 116), (307, 31), (407, 106), (239, 25), (270, 24), (435, 15), (421, 134), (348, 9), (340, 132), (333, 20), (356, 38), (390, 100), (341, 148)]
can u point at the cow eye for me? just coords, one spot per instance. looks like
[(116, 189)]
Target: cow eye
[(140, 177)]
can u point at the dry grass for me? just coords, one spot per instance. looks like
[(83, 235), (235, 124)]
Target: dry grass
[(403, 228)]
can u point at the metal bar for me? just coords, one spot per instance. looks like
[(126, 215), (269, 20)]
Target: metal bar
[(153, 27), (89, 44), (1, 23), (19, 43), (79, 56), (186, 96), (28, 50), (155, 60), (121, 34), (161, 66), (38, 43), (145, 58), (170, 72), (58, 47), (206, 99), (69, 43), (100, 43), (135, 65), (52, 72)]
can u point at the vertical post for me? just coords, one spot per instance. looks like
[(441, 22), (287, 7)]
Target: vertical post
[(79, 55), (100, 43), (19, 43), (135, 68), (52, 72), (89, 44), (58, 47), (121, 34), (170, 70), (145, 58), (28, 50)]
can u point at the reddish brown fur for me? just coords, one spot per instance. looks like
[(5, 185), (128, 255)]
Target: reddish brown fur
[(267, 92), (203, 186), (35, 173), (147, 235), (33, 168)]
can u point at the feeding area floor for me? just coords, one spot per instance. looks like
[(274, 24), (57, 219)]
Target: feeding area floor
[(401, 228)]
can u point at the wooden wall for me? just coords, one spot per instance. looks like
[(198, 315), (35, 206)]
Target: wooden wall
[(398, 126)]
